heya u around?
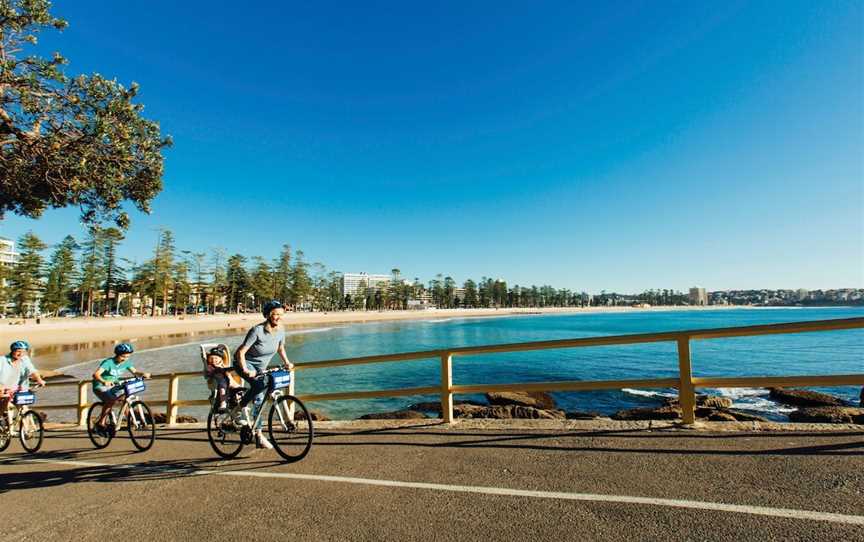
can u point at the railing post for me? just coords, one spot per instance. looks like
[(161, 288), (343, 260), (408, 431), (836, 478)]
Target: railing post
[(82, 402), (446, 385), (291, 392), (686, 392), (173, 393)]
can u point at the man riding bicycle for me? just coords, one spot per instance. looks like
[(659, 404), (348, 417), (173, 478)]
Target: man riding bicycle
[(16, 369), (252, 358)]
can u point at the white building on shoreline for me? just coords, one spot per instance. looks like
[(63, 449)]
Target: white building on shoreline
[(698, 296), (352, 282), (8, 256)]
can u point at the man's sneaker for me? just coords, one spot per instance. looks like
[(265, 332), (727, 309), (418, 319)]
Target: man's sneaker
[(223, 406), (262, 442)]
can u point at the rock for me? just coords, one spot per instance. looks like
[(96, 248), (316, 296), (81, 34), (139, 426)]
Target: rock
[(715, 401), (396, 415), (536, 399), (314, 414), (720, 416), (744, 416), (707, 401), (661, 413), (576, 415), (160, 417), (507, 412), (833, 414), (703, 412), (804, 398), (435, 406)]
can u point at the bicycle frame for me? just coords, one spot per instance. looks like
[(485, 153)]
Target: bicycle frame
[(272, 397), (14, 416), (116, 418)]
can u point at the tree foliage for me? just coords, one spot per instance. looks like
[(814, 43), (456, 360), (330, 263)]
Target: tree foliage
[(26, 276), (61, 276), (69, 140)]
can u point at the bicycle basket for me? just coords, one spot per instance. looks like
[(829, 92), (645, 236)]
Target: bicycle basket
[(24, 398), (280, 379), (134, 386)]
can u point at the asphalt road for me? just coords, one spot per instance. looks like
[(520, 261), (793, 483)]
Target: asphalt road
[(433, 482)]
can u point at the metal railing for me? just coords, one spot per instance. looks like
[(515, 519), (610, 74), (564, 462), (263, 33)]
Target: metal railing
[(686, 383)]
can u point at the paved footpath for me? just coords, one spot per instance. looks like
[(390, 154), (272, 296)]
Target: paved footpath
[(433, 482)]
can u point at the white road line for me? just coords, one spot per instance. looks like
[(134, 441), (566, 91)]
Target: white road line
[(482, 490)]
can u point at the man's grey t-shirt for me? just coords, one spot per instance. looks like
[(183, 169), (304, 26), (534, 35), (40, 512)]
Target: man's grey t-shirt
[(262, 346)]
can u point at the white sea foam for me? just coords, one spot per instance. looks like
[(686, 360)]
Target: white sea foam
[(651, 394), (738, 393), (310, 330)]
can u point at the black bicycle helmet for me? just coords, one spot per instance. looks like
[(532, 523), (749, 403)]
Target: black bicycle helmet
[(269, 306)]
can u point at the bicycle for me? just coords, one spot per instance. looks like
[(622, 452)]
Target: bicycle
[(289, 424), (132, 410), (27, 423)]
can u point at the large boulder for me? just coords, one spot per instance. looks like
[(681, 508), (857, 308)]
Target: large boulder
[(661, 413), (715, 401), (435, 406), (833, 414), (720, 416), (507, 412), (707, 401), (396, 415), (804, 398), (744, 416), (535, 399)]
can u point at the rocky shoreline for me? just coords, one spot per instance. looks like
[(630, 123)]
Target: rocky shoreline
[(811, 407)]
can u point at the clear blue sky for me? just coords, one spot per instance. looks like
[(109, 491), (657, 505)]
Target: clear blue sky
[(618, 146)]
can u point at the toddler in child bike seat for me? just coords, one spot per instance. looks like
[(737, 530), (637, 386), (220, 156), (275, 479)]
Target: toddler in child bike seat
[(219, 376)]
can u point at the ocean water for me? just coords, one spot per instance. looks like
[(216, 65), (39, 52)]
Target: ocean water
[(838, 352)]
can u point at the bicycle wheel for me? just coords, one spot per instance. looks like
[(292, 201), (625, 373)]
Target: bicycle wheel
[(291, 435), (101, 438), (142, 430), (223, 434), (5, 434), (31, 432)]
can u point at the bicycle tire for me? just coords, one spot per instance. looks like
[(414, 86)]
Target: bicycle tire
[(5, 434), (39, 433), (292, 439), (144, 435), (101, 440), (223, 434)]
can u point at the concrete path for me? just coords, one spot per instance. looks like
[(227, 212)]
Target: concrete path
[(434, 482)]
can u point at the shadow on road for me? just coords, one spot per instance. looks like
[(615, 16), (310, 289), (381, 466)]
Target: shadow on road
[(595, 441)]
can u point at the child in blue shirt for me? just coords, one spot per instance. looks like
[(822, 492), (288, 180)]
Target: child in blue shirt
[(107, 377)]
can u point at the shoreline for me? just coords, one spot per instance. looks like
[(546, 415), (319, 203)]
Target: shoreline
[(54, 332)]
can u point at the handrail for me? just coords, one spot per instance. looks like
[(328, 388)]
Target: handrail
[(685, 382)]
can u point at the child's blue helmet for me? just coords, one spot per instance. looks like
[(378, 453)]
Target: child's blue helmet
[(123, 348)]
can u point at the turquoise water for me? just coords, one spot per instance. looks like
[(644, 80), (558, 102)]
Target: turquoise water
[(839, 352)]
